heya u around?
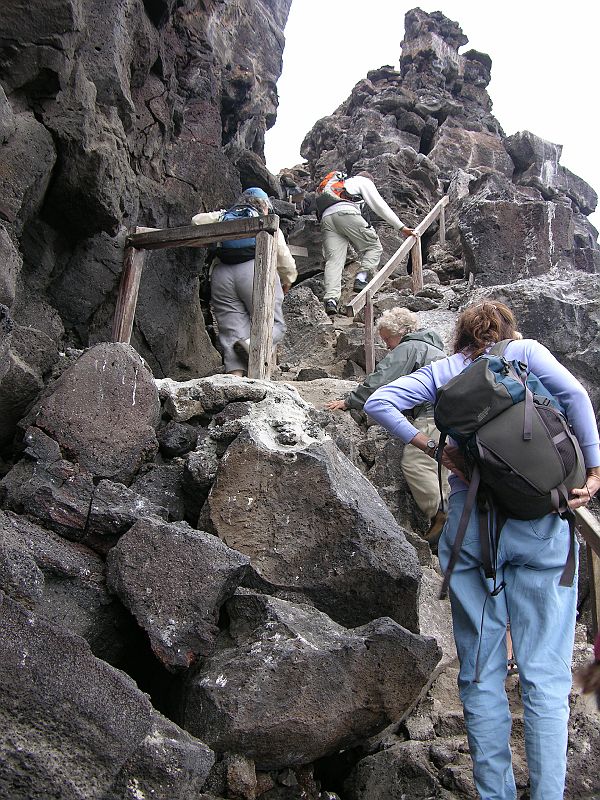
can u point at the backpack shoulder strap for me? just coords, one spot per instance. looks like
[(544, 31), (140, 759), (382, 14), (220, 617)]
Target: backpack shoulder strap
[(499, 348)]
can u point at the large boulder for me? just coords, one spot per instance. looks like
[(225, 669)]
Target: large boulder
[(30, 357), (248, 697), (103, 411), (310, 338), (73, 726), (174, 580), (505, 241), (330, 541), (457, 148), (563, 314), (537, 164)]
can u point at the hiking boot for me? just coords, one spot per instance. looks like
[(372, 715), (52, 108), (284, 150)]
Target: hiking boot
[(361, 280), (331, 306), (242, 350), (435, 529)]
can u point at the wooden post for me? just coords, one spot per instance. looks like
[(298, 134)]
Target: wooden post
[(263, 307), (133, 263), (416, 258), (442, 226), (593, 563), (589, 528), (369, 336)]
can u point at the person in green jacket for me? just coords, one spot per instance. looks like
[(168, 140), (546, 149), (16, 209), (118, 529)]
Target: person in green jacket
[(410, 349)]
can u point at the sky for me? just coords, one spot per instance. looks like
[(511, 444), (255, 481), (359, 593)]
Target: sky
[(545, 67)]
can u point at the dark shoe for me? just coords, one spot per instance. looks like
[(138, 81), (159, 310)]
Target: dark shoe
[(361, 280), (436, 528), (331, 306), (242, 349)]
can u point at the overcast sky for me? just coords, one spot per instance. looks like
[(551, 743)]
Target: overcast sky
[(545, 67)]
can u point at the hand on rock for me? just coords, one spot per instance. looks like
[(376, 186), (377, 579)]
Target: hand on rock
[(336, 405)]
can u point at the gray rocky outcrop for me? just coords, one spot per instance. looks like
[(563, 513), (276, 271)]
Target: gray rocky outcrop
[(563, 313), (428, 129), (174, 580), (339, 548), (310, 338), (536, 164), (102, 412), (350, 682), (62, 582), (127, 113), (75, 727)]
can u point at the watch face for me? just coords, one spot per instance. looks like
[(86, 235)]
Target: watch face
[(431, 444)]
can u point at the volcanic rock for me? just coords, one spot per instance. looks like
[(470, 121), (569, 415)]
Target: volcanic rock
[(354, 682)]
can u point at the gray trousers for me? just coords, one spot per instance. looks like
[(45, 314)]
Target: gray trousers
[(231, 300), (338, 229)]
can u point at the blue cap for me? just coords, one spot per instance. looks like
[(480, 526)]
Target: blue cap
[(254, 191)]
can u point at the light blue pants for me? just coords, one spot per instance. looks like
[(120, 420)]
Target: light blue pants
[(531, 558)]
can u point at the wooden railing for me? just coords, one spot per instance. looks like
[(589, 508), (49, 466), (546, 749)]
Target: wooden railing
[(264, 229), (589, 527), (411, 245)]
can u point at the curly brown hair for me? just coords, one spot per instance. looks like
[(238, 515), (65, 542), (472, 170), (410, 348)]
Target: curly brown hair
[(482, 325)]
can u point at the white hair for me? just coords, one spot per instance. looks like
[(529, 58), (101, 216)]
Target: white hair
[(397, 321)]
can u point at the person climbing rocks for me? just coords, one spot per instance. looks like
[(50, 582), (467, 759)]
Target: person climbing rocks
[(529, 559), (232, 279), (410, 349), (339, 202)]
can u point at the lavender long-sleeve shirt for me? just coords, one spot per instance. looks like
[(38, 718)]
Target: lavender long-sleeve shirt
[(386, 404)]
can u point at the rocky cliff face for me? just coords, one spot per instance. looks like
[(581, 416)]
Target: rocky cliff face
[(116, 113), (428, 129)]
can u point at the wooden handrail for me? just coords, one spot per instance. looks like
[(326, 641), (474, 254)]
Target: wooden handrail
[(589, 527), (201, 235), (263, 229), (355, 305)]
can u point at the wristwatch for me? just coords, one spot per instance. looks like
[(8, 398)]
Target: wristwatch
[(432, 448)]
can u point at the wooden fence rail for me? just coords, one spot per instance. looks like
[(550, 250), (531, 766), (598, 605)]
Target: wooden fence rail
[(264, 229), (412, 245), (589, 527)]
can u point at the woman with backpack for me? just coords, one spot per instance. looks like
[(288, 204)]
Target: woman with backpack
[(529, 557), (232, 281)]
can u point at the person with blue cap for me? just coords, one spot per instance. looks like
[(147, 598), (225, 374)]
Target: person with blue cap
[(232, 280)]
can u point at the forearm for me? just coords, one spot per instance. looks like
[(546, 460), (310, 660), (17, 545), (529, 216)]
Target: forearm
[(286, 266)]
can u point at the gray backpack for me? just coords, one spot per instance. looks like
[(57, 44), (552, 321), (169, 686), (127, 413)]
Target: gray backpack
[(521, 456)]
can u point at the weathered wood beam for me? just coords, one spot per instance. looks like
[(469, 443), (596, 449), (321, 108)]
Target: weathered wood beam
[(442, 229), (296, 250), (133, 264), (263, 307), (369, 336), (416, 258), (202, 235), (432, 216), (589, 528)]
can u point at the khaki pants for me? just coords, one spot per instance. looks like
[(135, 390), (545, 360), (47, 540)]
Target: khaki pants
[(420, 471), (338, 229)]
